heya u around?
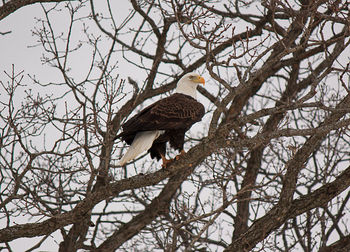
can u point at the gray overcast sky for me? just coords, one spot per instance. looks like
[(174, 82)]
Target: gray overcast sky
[(17, 49), (20, 47)]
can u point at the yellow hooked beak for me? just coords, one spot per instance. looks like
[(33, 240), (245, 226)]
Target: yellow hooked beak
[(201, 80)]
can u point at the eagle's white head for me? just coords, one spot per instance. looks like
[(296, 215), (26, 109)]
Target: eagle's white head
[(188, 84)]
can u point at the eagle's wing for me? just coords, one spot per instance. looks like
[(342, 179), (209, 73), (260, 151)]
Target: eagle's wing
[(177, 111)]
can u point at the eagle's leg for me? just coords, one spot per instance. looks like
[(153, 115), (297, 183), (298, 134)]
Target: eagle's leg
[(182, 152), (165, 161)]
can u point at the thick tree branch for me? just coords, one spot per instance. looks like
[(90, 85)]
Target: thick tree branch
[(342, 245), (260, 229), (158, 206), (13, 5), (279, 214)]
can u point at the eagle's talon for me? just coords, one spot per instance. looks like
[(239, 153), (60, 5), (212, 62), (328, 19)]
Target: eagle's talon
[(166, 161), (182, 152), (165, 164)]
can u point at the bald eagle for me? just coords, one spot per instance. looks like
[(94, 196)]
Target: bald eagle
[(166, 120)]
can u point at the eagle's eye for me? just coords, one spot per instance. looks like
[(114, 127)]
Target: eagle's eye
[(192, 77)]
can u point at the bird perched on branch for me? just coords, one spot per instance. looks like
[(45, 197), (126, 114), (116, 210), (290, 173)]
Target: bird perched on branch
[(166, 120)]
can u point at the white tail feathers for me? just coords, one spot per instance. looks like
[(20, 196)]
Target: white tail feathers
[(142, 142)]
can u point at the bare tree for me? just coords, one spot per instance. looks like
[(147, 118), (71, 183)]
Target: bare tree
[(266, 170)]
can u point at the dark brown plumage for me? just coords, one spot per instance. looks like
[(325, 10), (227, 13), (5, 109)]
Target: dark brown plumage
[(164, 121), (174, 115)]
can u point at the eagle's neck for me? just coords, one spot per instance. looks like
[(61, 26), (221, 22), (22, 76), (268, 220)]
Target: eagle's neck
[(187, 89)]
